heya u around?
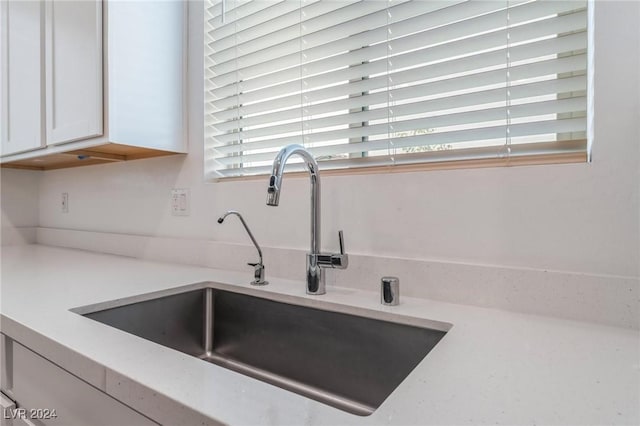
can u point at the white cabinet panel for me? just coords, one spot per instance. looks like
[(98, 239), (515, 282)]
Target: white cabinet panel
[(6, 364), (151, 35), (40, 384), (21, 70), (73, 69)]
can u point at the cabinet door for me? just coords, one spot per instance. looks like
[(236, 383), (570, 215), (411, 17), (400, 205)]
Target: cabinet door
[(21, 75), (73, 70), (39, 384)]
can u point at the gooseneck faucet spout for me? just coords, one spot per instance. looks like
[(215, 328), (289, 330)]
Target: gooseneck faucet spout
[(315, 260), (258, 267), (275, 185)]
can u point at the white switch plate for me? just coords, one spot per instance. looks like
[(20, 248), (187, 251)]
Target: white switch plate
[(180, 202), (64, 202)]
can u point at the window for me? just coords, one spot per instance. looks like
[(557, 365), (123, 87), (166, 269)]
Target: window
[(394, 82)]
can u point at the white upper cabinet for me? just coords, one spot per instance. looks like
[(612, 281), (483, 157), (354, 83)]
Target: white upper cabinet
[(21, 75), (147, 57), (73, 35), (92, 81)]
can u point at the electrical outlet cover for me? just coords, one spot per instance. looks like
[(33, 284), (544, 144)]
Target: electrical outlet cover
[(180, 202), (64, 205)]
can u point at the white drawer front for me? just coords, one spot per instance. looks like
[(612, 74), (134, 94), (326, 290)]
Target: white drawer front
[(40, 384)]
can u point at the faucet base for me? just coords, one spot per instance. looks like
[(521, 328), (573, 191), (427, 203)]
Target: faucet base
[(315, 276)]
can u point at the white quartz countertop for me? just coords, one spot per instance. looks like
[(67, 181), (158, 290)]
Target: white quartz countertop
[(492, 367)]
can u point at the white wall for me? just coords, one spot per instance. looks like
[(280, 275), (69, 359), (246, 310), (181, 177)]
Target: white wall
[(581, 217), (19, 205)]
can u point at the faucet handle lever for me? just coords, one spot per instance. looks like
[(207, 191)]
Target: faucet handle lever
[(333, 260), (258, 273)]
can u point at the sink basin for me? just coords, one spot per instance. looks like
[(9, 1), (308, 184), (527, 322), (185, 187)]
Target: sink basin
[(350, 362)]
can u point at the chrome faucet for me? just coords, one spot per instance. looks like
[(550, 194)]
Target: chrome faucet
[(316, 261), (258, 268)]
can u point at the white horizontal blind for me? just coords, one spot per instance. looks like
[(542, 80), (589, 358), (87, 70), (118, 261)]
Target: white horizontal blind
[(384, 82)]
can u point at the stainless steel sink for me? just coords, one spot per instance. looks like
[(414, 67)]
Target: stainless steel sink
[(347, 361)]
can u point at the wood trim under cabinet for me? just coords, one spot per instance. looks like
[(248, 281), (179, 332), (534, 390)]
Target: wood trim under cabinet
[(101, 154)]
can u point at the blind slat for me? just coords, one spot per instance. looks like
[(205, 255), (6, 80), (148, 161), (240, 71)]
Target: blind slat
[(540, 88), (521, 73), (408, 44), (331, 41), (569, 105), (463, 83), (288, 29), (433, 106), (454, 137), (418, 73), (406, 18)]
